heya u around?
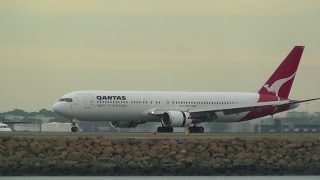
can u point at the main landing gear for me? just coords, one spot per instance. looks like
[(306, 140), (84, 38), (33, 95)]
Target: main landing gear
[(196, 129), (165, 129), (193, 129)]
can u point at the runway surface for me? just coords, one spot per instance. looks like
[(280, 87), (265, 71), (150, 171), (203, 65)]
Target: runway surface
[(165, 177), (149, 135)]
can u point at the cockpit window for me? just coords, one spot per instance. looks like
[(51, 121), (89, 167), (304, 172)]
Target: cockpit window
[(66, 99)]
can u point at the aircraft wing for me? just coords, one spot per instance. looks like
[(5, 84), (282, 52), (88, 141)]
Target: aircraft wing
[(302, 101), (206, 112), (236, 109), (201, 113), (229, 110)]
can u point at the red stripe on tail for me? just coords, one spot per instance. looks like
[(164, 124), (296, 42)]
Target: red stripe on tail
[(280, 83)]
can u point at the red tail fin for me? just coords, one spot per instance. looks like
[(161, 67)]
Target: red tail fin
[(281, 80)]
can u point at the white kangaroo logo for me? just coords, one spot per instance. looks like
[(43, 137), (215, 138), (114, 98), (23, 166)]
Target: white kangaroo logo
[(275, 87)]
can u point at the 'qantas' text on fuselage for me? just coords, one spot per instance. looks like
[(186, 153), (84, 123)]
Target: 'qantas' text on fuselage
[(101, 98)]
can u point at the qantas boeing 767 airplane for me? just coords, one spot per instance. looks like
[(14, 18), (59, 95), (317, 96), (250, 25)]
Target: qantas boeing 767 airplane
[(126, 109)]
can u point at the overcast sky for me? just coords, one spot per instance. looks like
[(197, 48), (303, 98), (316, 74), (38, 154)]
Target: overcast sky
[(50, 47)]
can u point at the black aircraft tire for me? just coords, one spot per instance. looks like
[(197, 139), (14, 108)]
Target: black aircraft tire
[(201, 129), (191, 130), (165, 129), (74, 129), (196, 129)]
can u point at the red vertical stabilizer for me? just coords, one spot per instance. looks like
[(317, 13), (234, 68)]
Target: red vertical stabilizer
[(280, 83)]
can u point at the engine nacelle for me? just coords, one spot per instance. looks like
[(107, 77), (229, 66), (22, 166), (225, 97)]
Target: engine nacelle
[(176, 119), (123, 124)]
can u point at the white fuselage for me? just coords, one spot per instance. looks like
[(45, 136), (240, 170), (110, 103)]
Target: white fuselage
[(136, 105)]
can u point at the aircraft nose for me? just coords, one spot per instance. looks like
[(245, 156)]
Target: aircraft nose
[(56, 108), (61, 108)]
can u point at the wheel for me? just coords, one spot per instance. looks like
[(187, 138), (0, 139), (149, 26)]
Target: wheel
[(201, 129), (74, 129), (191, 129), (165, 129), (196, 129)]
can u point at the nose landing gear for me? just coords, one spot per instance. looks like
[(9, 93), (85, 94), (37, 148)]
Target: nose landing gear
[(74, 128)]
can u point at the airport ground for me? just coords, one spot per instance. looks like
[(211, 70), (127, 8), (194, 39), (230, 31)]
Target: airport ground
[(152, 135), (31, 153)]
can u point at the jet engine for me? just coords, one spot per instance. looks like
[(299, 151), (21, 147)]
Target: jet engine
[(176, 119), (123, 124)]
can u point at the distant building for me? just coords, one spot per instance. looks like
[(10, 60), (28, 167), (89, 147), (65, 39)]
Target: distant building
[(41, 118), (56, 127), (295, 122), (317, 114), (296, 114)]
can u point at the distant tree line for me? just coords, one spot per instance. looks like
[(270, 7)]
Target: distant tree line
[(43, 112), (29, 116)]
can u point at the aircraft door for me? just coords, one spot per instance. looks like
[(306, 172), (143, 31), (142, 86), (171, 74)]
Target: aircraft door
[(75, 103), (88, 102)]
